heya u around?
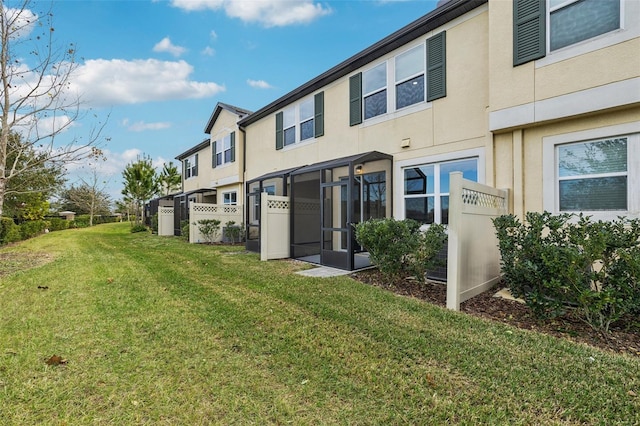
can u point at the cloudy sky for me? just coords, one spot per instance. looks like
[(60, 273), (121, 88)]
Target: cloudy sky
[(158, 68)]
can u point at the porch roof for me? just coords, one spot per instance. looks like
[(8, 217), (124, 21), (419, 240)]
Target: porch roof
[(276, 174), (344, 161)]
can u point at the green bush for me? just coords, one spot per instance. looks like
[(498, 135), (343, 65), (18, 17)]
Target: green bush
[(58, 224), (232, 232), (9, 231), (184, 229), (32, 228), (555, 263), (154, 223), (81, 221), (399, 248), (209, 228), (139, 228)]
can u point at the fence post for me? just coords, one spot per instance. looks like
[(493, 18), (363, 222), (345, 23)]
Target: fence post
[(454, 251)]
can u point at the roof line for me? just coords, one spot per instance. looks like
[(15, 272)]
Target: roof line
[(432, 20)]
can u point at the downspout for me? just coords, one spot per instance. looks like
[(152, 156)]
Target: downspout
[(244, 184)]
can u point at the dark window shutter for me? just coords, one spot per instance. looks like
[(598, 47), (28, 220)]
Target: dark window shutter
[(437, 66), (195, 166), (213, 154), (185, 168), (529, 30), (355, 99), (233, 146), (279, 132), (318, 119)]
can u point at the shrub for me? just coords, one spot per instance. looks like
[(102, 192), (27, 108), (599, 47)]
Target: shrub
[(32, 228), (233, 232), (555, 263), (154, 223), (9, 231), (209, 228), (398, 248), (139, 227), (184, 229), (58, 224)]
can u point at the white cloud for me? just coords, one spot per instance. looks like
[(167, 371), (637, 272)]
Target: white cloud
[(165, 45), (141, 126), (208, 51), (213, 35), (102, 82), (270, 13), (22, 21), (259, 84)]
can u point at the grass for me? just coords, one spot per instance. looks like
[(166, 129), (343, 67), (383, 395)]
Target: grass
[(157, 331)]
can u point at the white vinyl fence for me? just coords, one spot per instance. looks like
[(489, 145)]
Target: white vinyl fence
[(222, 212), (165, 221), (274, 226), (473, 264)]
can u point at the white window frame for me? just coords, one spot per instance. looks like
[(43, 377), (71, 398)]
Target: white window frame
[(190, 165), (422, 72), (298, 120), (629, 29), (376, 90), (399, 196), (223, 145), (230, 198), (392, 111), (551, 196)]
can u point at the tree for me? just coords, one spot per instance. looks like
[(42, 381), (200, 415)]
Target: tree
[(89, 197), (140, 183), (170, 179), (35, 96), (37, 183)]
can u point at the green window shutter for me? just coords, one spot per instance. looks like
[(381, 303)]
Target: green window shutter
[(318, 119), (437, 66), (213, 154), (529, 30), (279, 130), (355, 99), (195, 167), (233, 146), (185, 168)]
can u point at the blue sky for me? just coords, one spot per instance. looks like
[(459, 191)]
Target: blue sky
[(158, 68)]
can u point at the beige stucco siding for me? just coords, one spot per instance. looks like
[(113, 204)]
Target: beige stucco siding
[(454, 123), (597, 62), (203, 179), (525, 147)]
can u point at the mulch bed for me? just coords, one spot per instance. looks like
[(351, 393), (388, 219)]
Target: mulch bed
[(623, 338)]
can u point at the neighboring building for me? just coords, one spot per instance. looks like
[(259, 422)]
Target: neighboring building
[(564, 108), (213, 170), (538, 97)]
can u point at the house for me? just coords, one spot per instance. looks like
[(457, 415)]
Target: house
[(564, 106), (376, 135), (213, 173), (539, 97)]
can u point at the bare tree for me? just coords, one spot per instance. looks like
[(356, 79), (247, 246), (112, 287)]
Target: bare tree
[(35, 96)]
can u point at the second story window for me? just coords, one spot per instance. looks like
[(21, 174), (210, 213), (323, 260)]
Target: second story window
[(410, 77), (572, 21), (223, 150), (300, 122), (191, 166), (374, 88)]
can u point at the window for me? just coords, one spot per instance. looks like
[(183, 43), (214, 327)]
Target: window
[(191, 166), (410, 78), (593, 176), (572, 21), (545, 26), (224, 150), (426, 189), (374, 84), (300, 122), (230, 198)]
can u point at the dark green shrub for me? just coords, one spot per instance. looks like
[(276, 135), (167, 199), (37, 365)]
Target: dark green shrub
[(139, 228), (233, 233), (209, 228), (154, 223), (58, 224), (81, 221), (32, 228), (555, 262), (399, 248), (9, 231), (184, 229)]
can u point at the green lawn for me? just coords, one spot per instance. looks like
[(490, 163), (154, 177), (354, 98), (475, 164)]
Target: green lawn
[(157, 331)]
